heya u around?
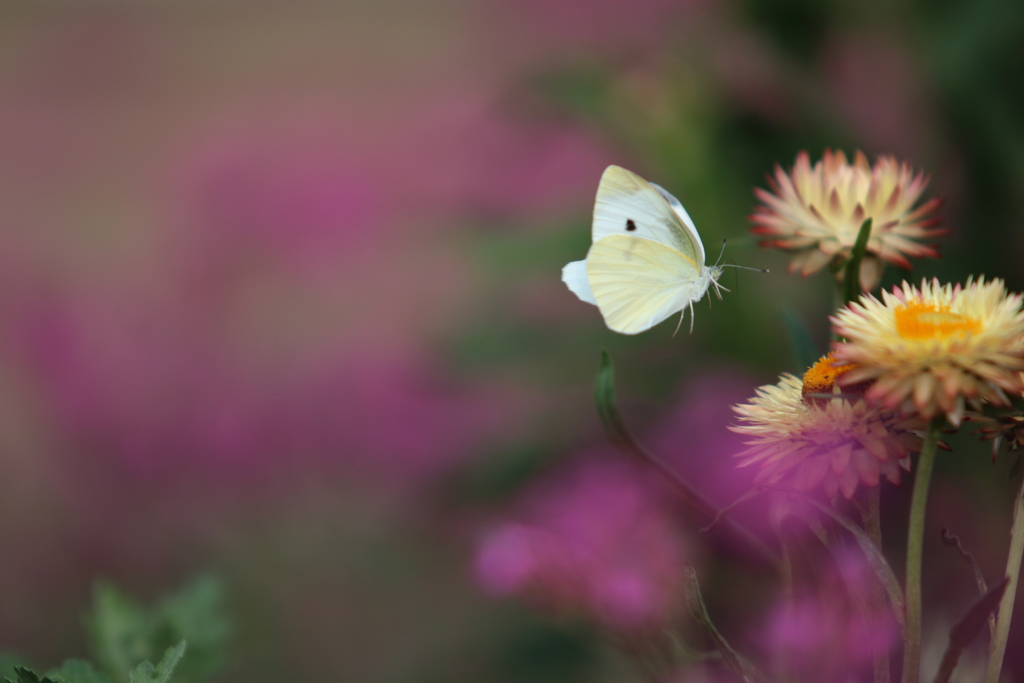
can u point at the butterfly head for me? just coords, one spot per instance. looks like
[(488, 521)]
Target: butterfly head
[(714, 273)]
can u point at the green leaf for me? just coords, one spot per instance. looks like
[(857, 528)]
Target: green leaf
[(851, 281), (26, 675), (145, 673), (608, 410), (121, 632), (125, 635), (8, 661), (196, 614), (967, 629), (78, 671)]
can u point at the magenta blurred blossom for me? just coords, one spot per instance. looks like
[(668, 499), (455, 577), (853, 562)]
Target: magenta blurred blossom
[(695, 439), (304, 184), (826, 635), (594, 539), (296, 201), (157, 392)]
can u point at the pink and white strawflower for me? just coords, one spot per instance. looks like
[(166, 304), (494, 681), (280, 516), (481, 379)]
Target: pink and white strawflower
[(817, 211)]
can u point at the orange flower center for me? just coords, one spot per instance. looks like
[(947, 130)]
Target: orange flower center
[(822, 376), (918, 320)]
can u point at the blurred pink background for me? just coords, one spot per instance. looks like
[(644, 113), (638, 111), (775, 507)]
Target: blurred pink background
[(279, 299)]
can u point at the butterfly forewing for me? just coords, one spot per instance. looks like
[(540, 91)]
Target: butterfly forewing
[(629, 205), (637, 283)]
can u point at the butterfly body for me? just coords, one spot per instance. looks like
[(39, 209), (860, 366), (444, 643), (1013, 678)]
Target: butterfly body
[(646, 262)]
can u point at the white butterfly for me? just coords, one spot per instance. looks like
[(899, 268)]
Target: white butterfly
[(647, 260)]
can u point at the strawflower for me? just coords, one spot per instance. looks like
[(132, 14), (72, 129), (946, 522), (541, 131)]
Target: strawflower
[(806, 434), (817, 211), (935, 350)]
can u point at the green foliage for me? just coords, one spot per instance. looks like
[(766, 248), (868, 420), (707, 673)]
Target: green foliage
[(126, 638), (124, 634), (25, 675), (146, 673), (78, 671), (8, 662)]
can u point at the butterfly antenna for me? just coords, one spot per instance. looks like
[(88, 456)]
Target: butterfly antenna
[(733, 265)]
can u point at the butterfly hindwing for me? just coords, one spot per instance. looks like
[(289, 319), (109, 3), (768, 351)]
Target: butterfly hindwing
[(637, 282), (574, 275)]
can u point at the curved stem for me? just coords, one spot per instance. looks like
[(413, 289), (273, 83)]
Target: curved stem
[(997, 648), (915, 545), (873, 527)]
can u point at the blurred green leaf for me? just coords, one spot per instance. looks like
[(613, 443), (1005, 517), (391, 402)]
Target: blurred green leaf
[(124, 634), (120, 631), (8, 662), (78, 671), (26, 675), (146, 673), (195, 614)]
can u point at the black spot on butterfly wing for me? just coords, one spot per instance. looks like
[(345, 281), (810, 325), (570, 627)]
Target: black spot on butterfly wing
[(630, 225)]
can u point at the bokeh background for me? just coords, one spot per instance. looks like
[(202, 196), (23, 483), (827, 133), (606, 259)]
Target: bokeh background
[(280, 300)]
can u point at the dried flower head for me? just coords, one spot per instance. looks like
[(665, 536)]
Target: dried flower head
[(817, 211), (999, 429), (810, 434), (937, 349)]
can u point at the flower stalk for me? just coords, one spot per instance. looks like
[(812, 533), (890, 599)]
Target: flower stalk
[(915, 547), (873, 526), (997, 647)]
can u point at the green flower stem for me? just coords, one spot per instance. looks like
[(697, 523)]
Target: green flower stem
[(915, 546), (997, 647), (873, 526)]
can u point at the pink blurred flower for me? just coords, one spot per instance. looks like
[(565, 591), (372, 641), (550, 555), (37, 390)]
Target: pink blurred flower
[(156, 391), (280, 195), (827, 635), (594, 539), (696, 441)]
